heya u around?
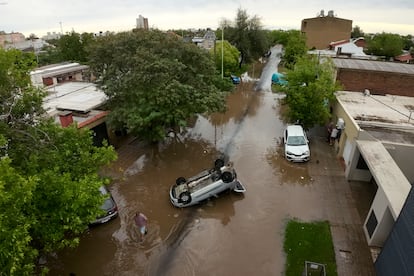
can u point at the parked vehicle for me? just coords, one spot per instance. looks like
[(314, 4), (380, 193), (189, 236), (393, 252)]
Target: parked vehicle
[(205, 185), (235, 79), (279, 78), (109, 206), (296, 144)]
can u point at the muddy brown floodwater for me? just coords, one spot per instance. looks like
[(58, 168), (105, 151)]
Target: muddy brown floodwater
[(233, 234), (230, 235)]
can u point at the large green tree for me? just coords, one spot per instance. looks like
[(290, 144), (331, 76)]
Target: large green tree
[(295, 48), (247, 34), (311, 86), (16, 254), (154, 81), (48, 175), (279, 37), (227, 56), (357, 32), (385, 44), (69, 47)]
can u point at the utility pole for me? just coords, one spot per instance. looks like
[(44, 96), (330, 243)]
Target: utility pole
[(222, 52)]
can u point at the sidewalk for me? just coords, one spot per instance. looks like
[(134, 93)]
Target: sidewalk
[(353, 256)]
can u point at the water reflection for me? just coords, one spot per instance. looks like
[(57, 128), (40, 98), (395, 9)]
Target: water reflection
[(289, 173), (179, 240)]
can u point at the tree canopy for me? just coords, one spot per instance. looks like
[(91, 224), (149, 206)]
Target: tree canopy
[(48, 175), (385, 44), (69, 47), (295, 48), (230, 57), (154, 81), (357, 32), (310, 88), (247, 34)]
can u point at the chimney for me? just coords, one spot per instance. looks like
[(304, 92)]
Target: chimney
[(66, 118)]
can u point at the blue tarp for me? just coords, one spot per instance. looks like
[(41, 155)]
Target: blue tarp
[(278, 78)]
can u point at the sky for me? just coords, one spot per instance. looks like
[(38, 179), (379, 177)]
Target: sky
[(42, 16)]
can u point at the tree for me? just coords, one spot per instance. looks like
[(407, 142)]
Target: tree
[(408, 43), (247, 35), (279, 37), (230, 57), (70, 47), (48, 175), (16, 255), (309, 90), (295, 48), (357, 32), (385, 44), (154, 81)]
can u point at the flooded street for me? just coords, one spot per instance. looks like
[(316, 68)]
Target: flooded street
[(230, 235)]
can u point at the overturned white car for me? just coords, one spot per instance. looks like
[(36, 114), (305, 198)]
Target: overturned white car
[(206, 184)]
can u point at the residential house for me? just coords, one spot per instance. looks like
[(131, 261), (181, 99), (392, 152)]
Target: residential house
[(207, 41), (11, 38), (57, 73), (376, 147), (80, 103)]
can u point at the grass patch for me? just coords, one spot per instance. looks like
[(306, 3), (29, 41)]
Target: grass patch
[(308, 242)]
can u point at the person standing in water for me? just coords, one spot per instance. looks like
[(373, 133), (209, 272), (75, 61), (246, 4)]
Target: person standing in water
[(141, 222)]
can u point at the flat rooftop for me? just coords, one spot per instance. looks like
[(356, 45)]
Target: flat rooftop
[(388, 109), (374, 65), (74, 96), (388, 118)]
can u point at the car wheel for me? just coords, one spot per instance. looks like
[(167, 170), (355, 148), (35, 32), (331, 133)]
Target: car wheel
[(227, 177), (180, 180), (218, 164), (185, 197)]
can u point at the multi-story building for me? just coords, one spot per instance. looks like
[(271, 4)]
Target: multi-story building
[(11, 38), (322, 30), (142, 23)]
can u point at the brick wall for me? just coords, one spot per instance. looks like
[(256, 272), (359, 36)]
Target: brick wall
[(321, 31), (380, 83)]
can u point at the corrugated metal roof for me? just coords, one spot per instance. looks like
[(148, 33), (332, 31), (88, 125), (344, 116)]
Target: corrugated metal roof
[(75, 96), (373, 65), (61, 71)]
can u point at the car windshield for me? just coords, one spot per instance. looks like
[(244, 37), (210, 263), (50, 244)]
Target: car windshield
[(107, 205), (296, 141)]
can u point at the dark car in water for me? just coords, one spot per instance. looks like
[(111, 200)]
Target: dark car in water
[(109, 207)]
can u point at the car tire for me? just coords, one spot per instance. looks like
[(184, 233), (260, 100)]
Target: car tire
[(185, 197), (218, 164), (180, 180), (227, 177)]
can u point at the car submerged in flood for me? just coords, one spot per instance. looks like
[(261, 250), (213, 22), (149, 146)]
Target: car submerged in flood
[(208, 183), (109, 208)]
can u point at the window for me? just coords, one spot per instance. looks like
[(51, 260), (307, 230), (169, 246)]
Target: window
[(362, 165), (371, 223)]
